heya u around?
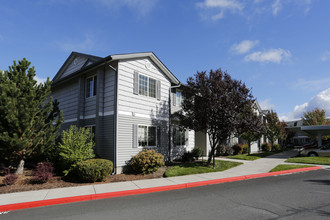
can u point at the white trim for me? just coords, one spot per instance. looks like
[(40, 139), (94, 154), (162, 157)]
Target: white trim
[(132, 114), (106, 113), (70, 120), (88, 116)]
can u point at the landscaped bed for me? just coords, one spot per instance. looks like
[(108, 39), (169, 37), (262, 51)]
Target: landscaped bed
[(24, 182), (199, 167), (310, 160), (282, 167), (252, 156)]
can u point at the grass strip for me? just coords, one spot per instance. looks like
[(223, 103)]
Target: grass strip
[(310, 160), (199, 167), (282, 167)]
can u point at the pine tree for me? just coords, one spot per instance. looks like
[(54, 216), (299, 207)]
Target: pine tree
[(29, 119)]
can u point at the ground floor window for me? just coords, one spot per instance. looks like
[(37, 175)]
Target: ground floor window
[(180, 136), (146, 136)]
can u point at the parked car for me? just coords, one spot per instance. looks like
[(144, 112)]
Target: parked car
[(323, 151), (313, 144)]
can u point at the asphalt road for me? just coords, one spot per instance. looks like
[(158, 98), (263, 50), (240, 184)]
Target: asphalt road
[(294, 196)]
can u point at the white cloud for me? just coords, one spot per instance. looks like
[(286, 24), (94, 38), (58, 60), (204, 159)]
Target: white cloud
[(325, 56), (70, 45), (244, 46), (311, 85), (266, 105), (276, 6), (272, 55), (221, 6), (321, 101), (40, 80)]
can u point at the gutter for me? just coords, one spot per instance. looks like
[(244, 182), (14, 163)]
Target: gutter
[(169, 121), (115, 118)]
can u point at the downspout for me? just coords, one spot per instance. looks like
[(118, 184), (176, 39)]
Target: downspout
[(115, 119), (169, 121)]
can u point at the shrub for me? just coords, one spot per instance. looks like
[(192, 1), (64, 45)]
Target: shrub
[(240, 149), (93, 170), (43, 172), (266, 147), (224, 150), (77, 145), (245, 148), (147, 161), (187, 157), (197, 152), (10, 179), (276, 147)]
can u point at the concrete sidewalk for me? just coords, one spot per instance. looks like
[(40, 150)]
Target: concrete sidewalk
[(259, 166)]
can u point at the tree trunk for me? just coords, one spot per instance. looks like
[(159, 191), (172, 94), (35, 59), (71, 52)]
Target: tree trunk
[(20, 168), (249, 147), (211, 155)]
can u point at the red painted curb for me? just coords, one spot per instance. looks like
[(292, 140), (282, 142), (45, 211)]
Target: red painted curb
[(58, 201)]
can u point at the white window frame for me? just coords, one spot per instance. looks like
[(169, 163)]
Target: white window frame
[(156, 136), (178, 131), (94, 87), (148, 86), (178, 103)]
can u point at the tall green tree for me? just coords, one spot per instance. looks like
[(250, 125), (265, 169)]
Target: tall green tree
[(215, 104), (314, 117), (273, 128), (29, 119)]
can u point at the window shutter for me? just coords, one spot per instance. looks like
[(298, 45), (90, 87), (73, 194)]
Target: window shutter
[(158, 85), (174, 97), (186, 136), (136, 83), (174, 136), (135, 134), (159, 136)]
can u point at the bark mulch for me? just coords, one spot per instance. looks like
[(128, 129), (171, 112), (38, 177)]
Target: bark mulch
[(24, 182)]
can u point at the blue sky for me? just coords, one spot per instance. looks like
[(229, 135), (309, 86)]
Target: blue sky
[(279, 48)]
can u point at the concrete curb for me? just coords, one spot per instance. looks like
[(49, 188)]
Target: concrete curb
[(25, 205)]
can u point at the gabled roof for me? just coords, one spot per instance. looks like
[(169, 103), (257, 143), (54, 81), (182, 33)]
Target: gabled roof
[(93, 61)]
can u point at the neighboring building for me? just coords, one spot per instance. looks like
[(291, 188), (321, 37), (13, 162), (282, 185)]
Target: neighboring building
[(300, 138), (124, 99)]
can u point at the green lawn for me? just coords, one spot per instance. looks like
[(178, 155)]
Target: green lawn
[(252, 156), (287, 167), (199, 167), (311, 160)]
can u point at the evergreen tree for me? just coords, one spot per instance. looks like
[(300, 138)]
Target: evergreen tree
[(29, 119)]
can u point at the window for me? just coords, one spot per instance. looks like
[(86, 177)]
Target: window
[(152, 88), (180, 136), (147, 86), (91, 86), (178, 98), (146, 136)]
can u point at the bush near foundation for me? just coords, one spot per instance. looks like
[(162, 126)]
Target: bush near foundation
[(266, 147), (276, 147), (93, 170), (147, 161), (240, 149)]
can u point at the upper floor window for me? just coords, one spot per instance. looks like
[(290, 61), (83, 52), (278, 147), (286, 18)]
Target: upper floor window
[(91, 86), (178, 98), (147, 86)]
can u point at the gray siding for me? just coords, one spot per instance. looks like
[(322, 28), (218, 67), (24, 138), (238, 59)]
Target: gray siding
[(67, 95), (138, 109), (75, 65), (109, 91), (125, 149), (129, 102)]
